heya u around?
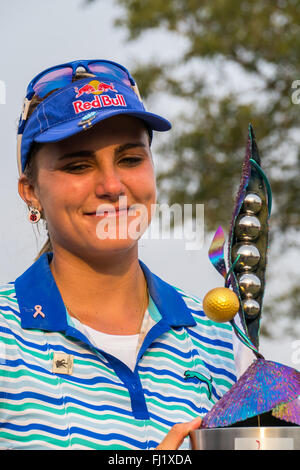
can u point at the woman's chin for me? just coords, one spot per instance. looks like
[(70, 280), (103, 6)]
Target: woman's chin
[(97, 249)]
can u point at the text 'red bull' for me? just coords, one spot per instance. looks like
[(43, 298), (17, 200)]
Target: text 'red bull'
[(99, 102)]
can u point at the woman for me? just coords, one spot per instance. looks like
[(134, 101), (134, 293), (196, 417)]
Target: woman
[(99, 352)]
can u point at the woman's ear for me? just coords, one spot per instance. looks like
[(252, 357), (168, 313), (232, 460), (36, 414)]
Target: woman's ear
[(27, 192)]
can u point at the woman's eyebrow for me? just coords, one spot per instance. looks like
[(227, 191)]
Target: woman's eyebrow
[(92, 154), (128, 146), (78, 154)]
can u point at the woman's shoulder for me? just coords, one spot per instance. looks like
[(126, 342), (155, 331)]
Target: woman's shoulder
[(195, 305), (192, 301), (8, 299), (7, 290), (213, 341)]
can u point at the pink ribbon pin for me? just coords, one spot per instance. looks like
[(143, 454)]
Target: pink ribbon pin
[(38, 311)]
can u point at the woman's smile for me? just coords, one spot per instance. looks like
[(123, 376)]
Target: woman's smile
[(109, 210)]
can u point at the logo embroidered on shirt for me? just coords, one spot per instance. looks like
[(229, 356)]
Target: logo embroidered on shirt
[(62, 363), (191, 374)]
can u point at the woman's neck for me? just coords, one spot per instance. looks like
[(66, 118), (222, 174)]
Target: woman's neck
[(108, 295)]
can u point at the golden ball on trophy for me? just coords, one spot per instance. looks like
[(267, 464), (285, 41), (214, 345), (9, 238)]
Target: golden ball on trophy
[(221, 304)]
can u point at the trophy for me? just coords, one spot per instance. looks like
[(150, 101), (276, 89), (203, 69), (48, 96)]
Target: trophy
[(266, 390)]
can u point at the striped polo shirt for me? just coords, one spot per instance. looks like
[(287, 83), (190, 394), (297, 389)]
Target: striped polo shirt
[(184, 365)]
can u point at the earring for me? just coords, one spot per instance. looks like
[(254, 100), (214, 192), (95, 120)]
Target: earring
[(34, 215)]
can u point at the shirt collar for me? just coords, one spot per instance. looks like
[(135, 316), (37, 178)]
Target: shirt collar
[(42, 307)]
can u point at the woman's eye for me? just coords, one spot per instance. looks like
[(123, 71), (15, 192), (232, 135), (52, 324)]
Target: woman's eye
[(76, 168), (131, 160), (82, 167)]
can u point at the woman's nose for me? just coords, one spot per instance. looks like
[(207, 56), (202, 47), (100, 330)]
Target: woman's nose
[(109, 183)]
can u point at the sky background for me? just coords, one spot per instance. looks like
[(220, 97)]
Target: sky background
[(35, 35)]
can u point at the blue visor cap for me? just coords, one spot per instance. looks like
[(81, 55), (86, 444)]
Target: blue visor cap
[(81, 105)]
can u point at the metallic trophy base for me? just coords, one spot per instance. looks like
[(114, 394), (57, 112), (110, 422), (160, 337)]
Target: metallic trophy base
[(252, 438)]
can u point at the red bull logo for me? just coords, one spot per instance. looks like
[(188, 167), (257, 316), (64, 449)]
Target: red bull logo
[(94, 87), (99, 102)]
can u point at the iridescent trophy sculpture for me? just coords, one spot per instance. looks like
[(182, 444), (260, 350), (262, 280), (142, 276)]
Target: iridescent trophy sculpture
[(266, 386)]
